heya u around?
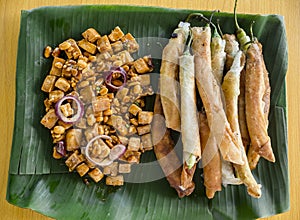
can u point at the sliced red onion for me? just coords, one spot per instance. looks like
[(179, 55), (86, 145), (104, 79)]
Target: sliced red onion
[(104, 162), (117, 151), (60, 148), (76, 117), (109, 78)]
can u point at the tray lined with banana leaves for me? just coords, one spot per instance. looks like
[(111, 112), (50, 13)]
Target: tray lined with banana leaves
[(41, 183)]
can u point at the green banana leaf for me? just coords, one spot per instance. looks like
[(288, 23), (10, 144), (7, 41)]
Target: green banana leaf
[(39, 182)]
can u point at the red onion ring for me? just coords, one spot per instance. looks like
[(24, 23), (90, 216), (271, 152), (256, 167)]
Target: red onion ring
[(108, 78), (76, 117), (114, 154), (117, 151)]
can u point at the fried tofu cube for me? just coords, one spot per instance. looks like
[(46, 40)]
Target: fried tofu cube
[(73, 161), (57, 65), (101, 104), (91, 35), (134, 109), (96, 174), (122, 93), (144, 129), (145, 79), (145, 117), (117, 46), (87, 46), (116, 34), (130, 43), (62, 84), (73, 139), (147, 142), (82, 169), (111, 170), (123, 140), (124, 168), (55, 95), (49, 119), (125, 57), (104, 45), (48, 83), (66, 109), (132, 130), (134, 144), (115, 180), (87, 94), (141, 66), (134, 158), (73, 51)]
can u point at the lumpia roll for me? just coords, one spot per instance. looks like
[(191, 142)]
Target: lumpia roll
[(212, 170), (165, 154), (255, 89), (169, 76)]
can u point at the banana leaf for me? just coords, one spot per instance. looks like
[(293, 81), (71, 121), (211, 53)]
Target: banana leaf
[(39, 182)]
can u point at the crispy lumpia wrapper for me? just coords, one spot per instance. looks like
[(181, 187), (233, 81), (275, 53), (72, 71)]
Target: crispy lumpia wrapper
[(231, 49), (231, 89), (255, 106), (165, 154), (253, 156), (212, 171), (210, 93), (218, 57), (189, 115), (169, 76)]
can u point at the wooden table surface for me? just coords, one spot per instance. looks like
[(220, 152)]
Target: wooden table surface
[(9, 30)]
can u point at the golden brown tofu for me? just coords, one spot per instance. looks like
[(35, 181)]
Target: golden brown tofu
[(103, 44), (73, 51), (48, 83), (123, 140), (124, 57), (141, 66), (132, 130), (91, 35), (73, 161), (87, 94), (111, 170), (62, 84), (55, 95), (50, 119), (73, 139), (145, 117), (87, 46), (130, 43), (96, 174), (119, 124), (124, 168), (116, 34), (122, 93), (57, 65), (134, 109), (115, 180), (66, 109), (101, 104), (147, 142), (144, 129), (82, 169), (117, 46), (134, 143), (135, 158), (145, 79)]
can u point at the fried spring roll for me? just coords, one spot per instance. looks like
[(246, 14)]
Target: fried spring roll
[(231, 49), (231, 89), (169, 76), (210, 94), (189, 129), (212, 170), (253, 156), (165, 154), (218, 56), (255, 90)]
